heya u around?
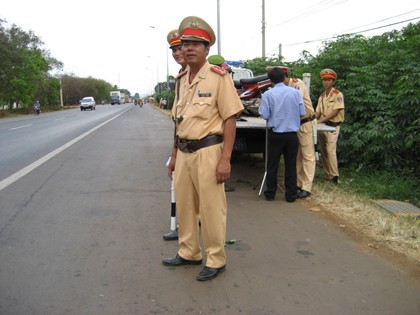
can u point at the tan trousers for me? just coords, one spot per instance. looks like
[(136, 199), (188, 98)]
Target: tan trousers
[(328, 148), (199, 196), (306, 160)]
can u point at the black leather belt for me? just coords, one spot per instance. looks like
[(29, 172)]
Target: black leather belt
[(305, 120), (333, 124), (190, 146)]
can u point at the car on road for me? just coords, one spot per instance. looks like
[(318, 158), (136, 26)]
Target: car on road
[(88, 102)]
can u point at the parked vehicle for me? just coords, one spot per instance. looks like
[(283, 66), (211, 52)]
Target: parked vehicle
[(88, 102), (250, 92)]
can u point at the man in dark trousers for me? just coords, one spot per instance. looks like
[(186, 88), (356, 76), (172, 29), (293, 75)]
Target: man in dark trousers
[(283, 108)]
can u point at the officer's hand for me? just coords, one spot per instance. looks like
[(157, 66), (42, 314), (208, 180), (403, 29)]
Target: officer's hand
[(223, 171), (171, 167)]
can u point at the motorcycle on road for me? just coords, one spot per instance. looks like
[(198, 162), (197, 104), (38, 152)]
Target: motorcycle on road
[(37, 108), (250, 91)]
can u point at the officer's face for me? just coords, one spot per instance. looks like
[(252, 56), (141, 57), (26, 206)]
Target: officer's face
[(327, 83), (177, 54), (195, 53)]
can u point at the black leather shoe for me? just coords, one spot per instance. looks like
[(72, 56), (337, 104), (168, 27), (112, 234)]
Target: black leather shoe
[(209, 273), (179, 261), (171, 236), (304, 194), (229, 188), (269, 198), (335, 180)]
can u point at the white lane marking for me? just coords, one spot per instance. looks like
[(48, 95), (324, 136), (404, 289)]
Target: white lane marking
[(19, 174), (25, 126), (59, 118)]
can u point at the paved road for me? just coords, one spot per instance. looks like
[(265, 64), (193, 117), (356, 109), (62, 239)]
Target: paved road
[(30, 137), (82, 234)]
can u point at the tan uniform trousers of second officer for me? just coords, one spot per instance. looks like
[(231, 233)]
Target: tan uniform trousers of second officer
[(328, 140), (306, 159)]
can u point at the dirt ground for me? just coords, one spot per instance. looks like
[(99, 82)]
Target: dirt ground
[(402, 254), (397, 241)]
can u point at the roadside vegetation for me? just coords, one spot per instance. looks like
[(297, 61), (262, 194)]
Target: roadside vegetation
[(379, 144), (29, 73)]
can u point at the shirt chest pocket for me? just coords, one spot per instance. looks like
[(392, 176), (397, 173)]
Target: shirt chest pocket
[(330, 105), (202, 107)]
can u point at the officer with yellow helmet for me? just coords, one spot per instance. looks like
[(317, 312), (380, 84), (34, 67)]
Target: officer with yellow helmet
[(174, 41), (330, 110), (205, 113)]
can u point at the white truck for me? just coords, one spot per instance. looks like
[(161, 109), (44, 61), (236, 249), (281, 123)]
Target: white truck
[(115, 97), (123, 99)]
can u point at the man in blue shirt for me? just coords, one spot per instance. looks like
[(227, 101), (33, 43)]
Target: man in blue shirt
[(282, 107)]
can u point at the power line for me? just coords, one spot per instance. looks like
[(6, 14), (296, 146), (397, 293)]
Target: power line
[(333, 37), (383, 20), (326, 4)]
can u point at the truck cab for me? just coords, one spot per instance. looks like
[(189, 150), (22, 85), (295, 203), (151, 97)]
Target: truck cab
[(115, 99)]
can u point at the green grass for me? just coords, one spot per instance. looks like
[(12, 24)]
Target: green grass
[(402, 186)]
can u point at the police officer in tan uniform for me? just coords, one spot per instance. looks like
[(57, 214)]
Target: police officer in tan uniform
[(205, 113), (306, 159), (330, 110), (174, 41)]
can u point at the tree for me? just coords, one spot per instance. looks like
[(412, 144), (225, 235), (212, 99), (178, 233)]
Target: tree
[(75, 88), (24, 65), (380, 79)]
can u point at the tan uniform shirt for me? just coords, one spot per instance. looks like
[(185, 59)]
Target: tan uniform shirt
[(300, 85), (327, 103), (179, 75), (204, 104)]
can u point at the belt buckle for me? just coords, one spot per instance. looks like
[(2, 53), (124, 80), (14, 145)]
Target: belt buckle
[(182, 146), (190, 147), (185, 147)]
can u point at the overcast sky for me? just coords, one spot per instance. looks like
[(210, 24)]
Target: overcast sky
[(113, 40)]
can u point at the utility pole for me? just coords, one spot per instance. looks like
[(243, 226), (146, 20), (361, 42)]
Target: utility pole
[(167, 58), (61, 93), (279, 52), (219, 41), (167, 70), (263, 28)]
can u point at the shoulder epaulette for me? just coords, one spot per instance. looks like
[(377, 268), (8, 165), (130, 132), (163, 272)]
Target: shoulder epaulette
[(218, 70), (181, 74), (336, 91), (295, 79)]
